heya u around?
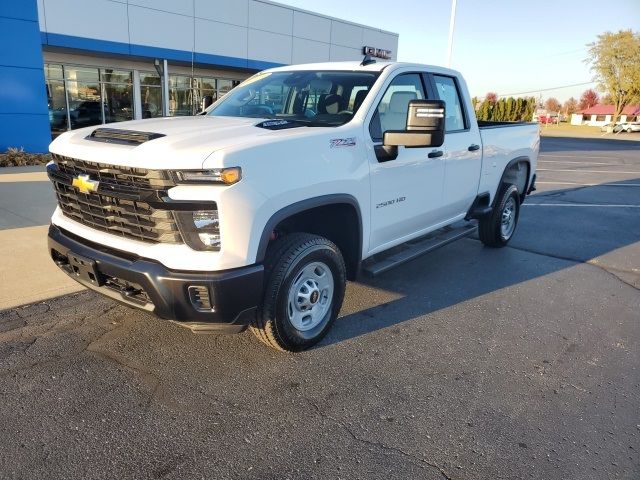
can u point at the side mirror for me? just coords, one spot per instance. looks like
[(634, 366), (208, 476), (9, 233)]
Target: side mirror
[(425, 128)]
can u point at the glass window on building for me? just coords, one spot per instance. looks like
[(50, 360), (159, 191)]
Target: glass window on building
[(80, 96), (150, 95), (180, 96), (207, 88), (56, 99), (224, 86), (84, 97), (117, 95)]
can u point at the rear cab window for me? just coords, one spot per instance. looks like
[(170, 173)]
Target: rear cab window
[(448, 91)]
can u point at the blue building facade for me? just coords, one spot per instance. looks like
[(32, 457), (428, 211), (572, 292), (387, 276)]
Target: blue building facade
[(69, 64), (24, 117)]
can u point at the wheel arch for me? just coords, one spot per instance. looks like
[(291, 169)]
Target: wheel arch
[(507, 175), (324, 215)]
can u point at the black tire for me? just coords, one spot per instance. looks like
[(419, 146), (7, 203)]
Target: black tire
[(490, 229), (285, 263)]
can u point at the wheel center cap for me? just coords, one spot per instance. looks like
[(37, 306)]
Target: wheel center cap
[(314, 296)]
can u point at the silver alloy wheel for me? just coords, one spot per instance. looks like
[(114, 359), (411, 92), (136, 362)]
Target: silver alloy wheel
[(508, 221), (310, 296)]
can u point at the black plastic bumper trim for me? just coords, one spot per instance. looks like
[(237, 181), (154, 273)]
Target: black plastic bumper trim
[(532, 186), (235, 293)]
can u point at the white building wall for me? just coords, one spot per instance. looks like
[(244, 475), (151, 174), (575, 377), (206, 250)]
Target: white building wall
[(249, 30)]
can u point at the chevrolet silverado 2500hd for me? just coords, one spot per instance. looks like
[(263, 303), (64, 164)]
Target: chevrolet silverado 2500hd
[(256, 212)]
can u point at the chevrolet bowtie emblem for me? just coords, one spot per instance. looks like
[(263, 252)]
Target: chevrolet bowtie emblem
[(85, 184)]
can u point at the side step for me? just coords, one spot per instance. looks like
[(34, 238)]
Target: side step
[(406, 252)]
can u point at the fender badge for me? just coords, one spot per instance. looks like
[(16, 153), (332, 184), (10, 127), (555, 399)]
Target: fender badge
[(342, 142)]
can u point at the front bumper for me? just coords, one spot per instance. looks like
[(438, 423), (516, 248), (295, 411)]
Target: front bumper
[(233, 295)]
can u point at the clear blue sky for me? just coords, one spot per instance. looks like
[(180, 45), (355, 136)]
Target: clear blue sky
[(505, 46)]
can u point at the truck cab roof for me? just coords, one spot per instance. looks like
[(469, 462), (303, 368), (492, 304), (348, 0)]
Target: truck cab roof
[(377, 66)]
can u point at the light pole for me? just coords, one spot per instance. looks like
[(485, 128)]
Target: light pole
[(452, 23)]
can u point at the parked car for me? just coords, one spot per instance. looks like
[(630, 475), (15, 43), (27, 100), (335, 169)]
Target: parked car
[(249, 217), (548, 119), (613, 127), (630, 127)]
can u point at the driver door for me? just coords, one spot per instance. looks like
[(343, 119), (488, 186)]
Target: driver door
[(406, 193)]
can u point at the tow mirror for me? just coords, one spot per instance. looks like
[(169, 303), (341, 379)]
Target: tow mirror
[(425, 128)]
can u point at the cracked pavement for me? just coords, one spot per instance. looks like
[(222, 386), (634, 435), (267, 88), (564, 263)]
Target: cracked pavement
[(468, 363)]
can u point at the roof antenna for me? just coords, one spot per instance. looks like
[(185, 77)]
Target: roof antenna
[(367, 60)]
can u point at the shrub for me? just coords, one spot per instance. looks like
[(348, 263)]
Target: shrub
[(17, 157)]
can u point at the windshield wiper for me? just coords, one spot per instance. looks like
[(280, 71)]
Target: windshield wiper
[(282, 123)]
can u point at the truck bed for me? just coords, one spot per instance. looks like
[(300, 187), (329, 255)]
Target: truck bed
[(504, 142), (483, 124)]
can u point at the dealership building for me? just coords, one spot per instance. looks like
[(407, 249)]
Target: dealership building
[(68, 64)]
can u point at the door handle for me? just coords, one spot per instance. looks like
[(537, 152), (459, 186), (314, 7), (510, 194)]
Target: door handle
[(474, 147), (435, 154)]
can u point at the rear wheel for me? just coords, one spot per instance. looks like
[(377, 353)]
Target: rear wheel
[(497, 228), (305, 285)]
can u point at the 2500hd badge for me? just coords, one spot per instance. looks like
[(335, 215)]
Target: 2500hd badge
[(391, 202)]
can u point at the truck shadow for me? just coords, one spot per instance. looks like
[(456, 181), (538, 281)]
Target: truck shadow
[(548, 240)]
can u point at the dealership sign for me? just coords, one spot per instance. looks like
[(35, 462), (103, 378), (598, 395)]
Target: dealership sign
[(377, 52)]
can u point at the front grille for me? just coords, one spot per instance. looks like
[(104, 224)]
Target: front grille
[(109, 176), (122, 203)]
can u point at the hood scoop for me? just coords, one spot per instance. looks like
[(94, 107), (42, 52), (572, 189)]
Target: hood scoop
[(279, 124), (123, 137)]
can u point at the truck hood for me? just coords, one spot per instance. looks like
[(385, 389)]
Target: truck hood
[(186, 144)]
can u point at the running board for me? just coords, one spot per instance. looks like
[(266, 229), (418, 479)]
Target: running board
[(406, 252)]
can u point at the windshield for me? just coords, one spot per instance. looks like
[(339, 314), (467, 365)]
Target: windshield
[(310, 97)]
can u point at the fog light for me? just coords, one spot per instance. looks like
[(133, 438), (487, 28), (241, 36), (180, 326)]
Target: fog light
[(211, 240), (200, 229), (205, 219)]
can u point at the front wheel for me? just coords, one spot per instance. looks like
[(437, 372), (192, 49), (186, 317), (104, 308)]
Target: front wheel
[(497, 228), (305, 285)]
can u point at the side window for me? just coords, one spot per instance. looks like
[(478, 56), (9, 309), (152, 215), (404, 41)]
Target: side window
[(391, 113), (448, 92)]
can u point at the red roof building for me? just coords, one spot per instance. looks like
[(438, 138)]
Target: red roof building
[(610, 110), (600, 115)]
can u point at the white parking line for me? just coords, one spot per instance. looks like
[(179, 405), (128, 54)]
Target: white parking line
[(553, 155), (585, 163), (591, 184), (602, 205), (582, 171)]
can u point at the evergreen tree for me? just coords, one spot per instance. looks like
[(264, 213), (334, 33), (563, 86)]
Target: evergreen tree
[(484, 113), (519, 109), (509, 110)]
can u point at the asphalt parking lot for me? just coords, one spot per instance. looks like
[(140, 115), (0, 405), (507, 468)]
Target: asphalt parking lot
[(469, 363)]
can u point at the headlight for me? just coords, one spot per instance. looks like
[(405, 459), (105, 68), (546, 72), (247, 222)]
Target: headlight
[(228, 176), (200, 229)]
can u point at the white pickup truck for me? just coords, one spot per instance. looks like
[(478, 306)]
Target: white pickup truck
[(254, 213)]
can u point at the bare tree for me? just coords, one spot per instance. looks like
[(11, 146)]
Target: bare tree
[(615, 62), (552, 105), (570, 106), (607, 100)]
